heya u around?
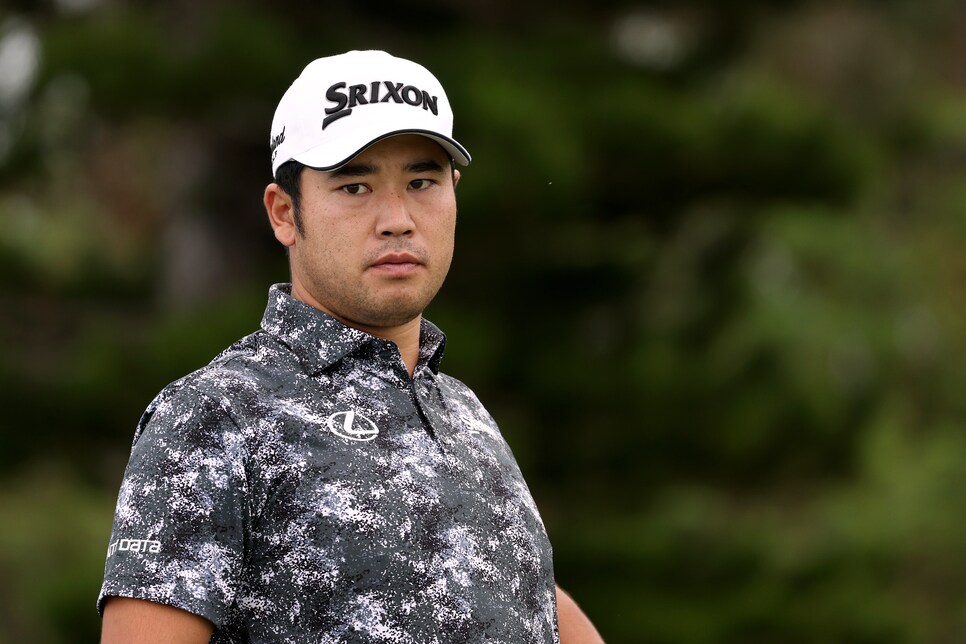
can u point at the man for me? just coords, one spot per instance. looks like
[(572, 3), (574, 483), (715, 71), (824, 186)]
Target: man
[(321, 480)]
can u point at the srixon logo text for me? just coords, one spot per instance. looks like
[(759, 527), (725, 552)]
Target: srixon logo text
[(346, 98)]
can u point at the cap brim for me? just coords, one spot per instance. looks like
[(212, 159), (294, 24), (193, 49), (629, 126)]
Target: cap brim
[(320, 158)]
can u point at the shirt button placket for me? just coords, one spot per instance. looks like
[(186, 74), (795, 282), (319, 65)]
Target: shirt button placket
[(428, 400)]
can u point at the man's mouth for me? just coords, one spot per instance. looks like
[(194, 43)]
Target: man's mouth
[(397, 264)]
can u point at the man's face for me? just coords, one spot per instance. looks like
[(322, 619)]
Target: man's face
[(378, 233)]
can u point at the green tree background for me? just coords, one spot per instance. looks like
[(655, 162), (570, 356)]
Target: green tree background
[(709, 279)]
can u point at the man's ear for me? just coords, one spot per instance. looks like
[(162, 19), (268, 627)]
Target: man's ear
[(281, 215), (456, 177)]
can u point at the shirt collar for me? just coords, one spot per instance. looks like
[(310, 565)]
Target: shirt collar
[(432, 344), (319, 340)]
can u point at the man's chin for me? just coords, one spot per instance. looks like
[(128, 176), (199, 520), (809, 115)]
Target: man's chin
[(396, 313)]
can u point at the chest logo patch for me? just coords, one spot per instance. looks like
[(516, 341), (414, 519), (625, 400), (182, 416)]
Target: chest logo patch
[(352, 426)]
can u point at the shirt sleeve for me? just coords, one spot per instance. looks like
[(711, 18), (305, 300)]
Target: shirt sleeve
[(178, 533)]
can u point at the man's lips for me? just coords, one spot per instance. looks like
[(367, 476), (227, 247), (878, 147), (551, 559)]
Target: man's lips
[(397, 264), (396, 258)]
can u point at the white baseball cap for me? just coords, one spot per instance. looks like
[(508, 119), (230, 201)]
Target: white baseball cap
[(340, 105)]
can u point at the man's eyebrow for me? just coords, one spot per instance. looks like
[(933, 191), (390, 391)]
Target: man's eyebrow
[(424, 166), (353, 170)]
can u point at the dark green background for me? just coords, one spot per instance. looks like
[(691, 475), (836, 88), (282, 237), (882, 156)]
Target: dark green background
[(709, 279)]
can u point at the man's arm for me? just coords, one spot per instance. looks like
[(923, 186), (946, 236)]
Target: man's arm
[(136, 621), (575, 627)]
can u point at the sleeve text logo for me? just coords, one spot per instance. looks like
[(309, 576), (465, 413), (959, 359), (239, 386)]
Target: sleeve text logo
[(134, 545)]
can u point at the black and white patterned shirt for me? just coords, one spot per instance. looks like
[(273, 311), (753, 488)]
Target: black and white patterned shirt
[(303, 488)]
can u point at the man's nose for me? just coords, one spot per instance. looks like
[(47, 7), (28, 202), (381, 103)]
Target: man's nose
[(394, 217)]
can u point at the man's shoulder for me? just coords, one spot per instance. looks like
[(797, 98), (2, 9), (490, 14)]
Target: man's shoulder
[(457, 391), (453, 384), (256, 363), (225, 393), (256, 360)]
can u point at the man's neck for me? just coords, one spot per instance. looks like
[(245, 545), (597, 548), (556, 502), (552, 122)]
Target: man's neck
[(404, 336)]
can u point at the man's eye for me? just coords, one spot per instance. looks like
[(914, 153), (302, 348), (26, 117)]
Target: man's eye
[(420, 184), (355, 189)]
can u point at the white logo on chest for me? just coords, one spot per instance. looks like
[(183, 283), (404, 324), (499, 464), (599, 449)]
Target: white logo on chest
[(352, 426)]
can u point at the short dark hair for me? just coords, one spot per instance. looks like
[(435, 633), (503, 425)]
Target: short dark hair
[(289, 177)]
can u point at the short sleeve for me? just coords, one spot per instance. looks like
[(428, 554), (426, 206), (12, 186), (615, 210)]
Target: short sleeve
[(178, 533)]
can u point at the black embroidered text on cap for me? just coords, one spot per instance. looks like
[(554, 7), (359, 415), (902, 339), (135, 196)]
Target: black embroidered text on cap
[(356, 95)]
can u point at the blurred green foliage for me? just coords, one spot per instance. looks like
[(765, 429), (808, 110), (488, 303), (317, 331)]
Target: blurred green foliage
[(708, 280)]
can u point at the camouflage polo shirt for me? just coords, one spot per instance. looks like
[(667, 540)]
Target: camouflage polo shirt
[(303, 488)]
